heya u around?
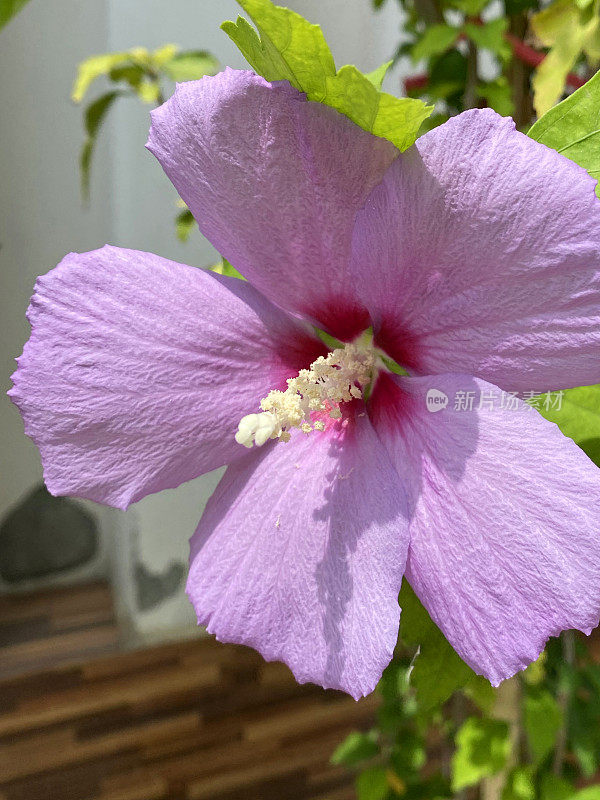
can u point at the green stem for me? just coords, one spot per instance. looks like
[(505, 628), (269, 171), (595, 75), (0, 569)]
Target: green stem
[(564, 699), (470, 96)]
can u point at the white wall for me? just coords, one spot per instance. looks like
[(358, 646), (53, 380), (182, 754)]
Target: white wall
[(133, 204)]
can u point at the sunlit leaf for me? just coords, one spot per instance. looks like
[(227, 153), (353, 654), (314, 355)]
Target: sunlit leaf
[(577, 414), (392, 118), (589, 793), (285, 46), (149, 91), (163, 55), (482, 749), (225, 268), (94, 67), (567, 30), (376, 77), (520, 784), (573, 128)]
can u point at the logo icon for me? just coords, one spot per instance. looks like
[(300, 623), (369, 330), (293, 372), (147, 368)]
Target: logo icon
[(436, 400)]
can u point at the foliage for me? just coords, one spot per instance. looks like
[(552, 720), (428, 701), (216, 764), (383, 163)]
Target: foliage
[(578, 417), (285, 46), (570, 28), (8, 9), (573, 127), (223, 267), (136, 72), (444, 38), (482, 749), (556, 744)]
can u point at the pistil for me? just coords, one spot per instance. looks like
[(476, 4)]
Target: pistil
[(317, 392)]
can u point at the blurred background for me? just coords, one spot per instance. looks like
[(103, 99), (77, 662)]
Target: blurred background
[(108, 690)]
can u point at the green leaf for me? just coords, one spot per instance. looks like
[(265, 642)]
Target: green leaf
[(355, 748), (161, 56), (536, 671), (589, 793), (392, 118), (520, 784), (554, 788), (191, 65), (490, 36), (438, 671), (132, 74), (585, 753), (94, 116), (498, 95), (376, 77), (447, 76), (577, 414), (542, 719), (566, 30), (8, 9), (372, 784), (184, 224), (482, 749), (225, 268), (94, 67), (149, 91), (436, 40), (470, 7), (573, 128), (285, 46)]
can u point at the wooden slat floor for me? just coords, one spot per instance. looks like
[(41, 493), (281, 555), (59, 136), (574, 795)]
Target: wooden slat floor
[(194, 720)]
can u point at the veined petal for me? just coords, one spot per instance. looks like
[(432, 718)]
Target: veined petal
[(300, 554), (139, 369), (274, 182), (480, 253), (504, 546)]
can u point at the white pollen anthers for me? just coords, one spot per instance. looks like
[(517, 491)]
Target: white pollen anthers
[(338, 377)]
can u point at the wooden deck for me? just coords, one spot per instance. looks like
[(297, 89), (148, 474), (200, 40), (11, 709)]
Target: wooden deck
[(193, 720)]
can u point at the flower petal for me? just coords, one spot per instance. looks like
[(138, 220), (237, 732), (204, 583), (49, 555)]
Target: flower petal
[(504, 547), (138, 370), (300, 554), (480, 253), (274, 182)]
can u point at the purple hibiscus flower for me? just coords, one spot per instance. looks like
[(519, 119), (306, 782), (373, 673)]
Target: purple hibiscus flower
[(472, 260)]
